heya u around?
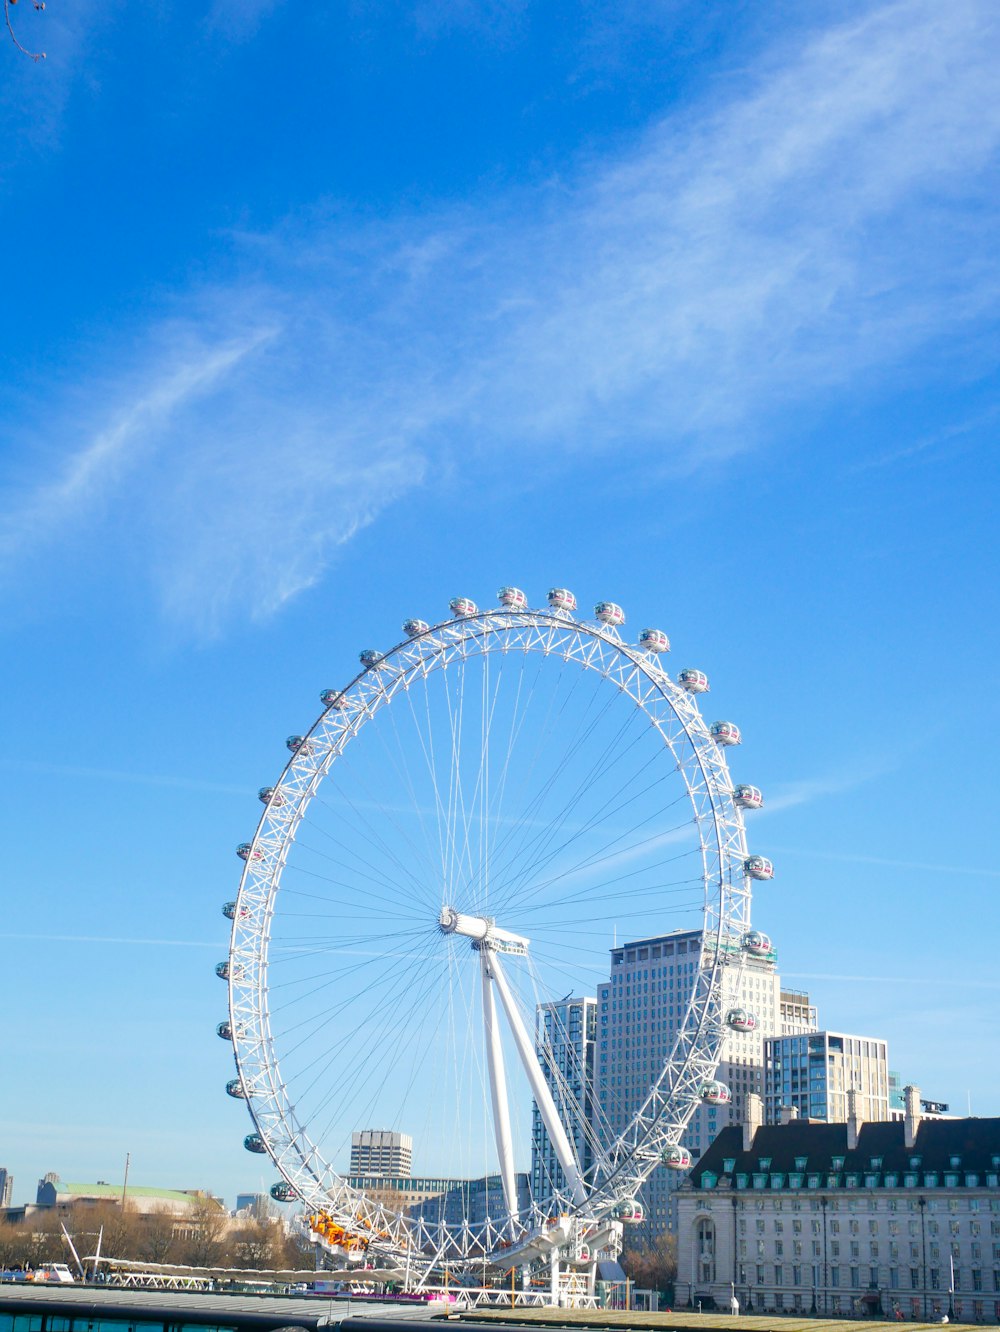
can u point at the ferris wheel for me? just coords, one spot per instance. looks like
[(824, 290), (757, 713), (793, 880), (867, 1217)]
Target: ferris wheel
[(435, 893)]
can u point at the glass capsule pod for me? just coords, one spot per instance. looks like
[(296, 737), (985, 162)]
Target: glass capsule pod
[(654, 640), (748, 797), (695, 682), (610, 613), (234, 1088), (759, 867), (630, 1212), (413, 627), (725, 733), (512, 597), (298, 744), (247, 851), (229, 911), (715, 1093), (253, 1142), (584, 1255), (757, 943), (741, 1019), (333, 698), (463, 606), (225, 1030), (270, 795), (369, 657), (561, 598), (283, 1192), (222, 970), (676, 1158)]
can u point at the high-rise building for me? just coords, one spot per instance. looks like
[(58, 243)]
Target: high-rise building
[(814, 1072), (565, 1032), (6, 1187), (642, 1008), (381, 1153), (798, 1015)]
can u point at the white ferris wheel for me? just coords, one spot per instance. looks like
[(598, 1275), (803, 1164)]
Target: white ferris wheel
[(461, 838)]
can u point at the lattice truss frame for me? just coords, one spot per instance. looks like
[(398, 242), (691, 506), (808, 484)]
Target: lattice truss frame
[(674, 1095)]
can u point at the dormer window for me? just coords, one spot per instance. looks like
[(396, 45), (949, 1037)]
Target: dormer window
[(800, 1162), (914, 1162), (729, 1165), (876, 1163), (955, 1162), (837, 1163), (765, 1163)]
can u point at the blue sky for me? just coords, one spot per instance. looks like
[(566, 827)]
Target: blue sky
[(316, 319)]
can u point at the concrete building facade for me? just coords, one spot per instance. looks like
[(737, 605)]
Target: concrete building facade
[(641, 1009), (814, 1071), (6, 1187), (382, 1153), (565, 1033), (896, 1218), (797, 1014)]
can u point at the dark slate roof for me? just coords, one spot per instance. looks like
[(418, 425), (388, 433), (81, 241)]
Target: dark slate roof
[(975, 1141)]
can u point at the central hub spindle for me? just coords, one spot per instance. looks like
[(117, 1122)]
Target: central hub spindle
[(482, 930)]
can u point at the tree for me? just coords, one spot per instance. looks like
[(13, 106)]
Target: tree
[(653, 1265), (206, 1225)]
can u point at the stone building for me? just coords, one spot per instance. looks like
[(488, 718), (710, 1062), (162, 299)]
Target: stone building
[(893, 1218)]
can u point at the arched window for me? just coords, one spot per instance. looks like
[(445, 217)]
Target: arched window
[(705, 1250)]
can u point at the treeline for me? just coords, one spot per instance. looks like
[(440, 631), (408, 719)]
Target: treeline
[(205, 1237)]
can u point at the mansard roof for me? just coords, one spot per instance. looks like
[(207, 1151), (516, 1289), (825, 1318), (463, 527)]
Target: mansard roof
[(974, 1142)]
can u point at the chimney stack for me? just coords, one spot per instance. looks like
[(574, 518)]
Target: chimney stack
[(754, 1119), (786, 1113), (853, 1119), (911, 1117)]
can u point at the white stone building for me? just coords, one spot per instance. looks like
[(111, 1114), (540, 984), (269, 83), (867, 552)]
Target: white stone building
[(814, 1072), (898, 1218), (382, 1153)]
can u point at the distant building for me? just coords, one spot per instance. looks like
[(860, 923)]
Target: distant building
[(472, 1200), (255, 1205), (62, 1196), (381, 1153), (797, 1014), (642, 1008), (895, 1219), (813, 1073), (6, 1187), (897, 1107), (564, 1040)]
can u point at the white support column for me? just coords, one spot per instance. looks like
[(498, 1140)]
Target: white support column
[(539, 1087), (498, 1091)]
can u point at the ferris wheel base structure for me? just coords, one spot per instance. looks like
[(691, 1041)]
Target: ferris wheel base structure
[(539, 775)]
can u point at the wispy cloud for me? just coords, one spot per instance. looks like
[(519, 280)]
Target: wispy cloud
[(74, 772), (112, 939), (830, 219), (889, 862), (962, 982)]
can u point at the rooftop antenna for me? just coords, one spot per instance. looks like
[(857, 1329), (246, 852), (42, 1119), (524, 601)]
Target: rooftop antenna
[(128, 1157)]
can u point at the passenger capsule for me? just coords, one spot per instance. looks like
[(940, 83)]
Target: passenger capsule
[(695, 682), (270, 795), (654, 640), (234, 1088), (562, 599), (715, 1093), (369, 657), (584, 1254), (512, 597), (222, 970), (759, 867), (333, 698), (413, 627), (725, 733), (676, 1158), (630, 1212), (741, 1019), (283, 1192), (298, 744), (748, 797), (757, 943), (253, 1142), (462, 606), (224, 1030), (229, 911), (247, 851), (608, 612)]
